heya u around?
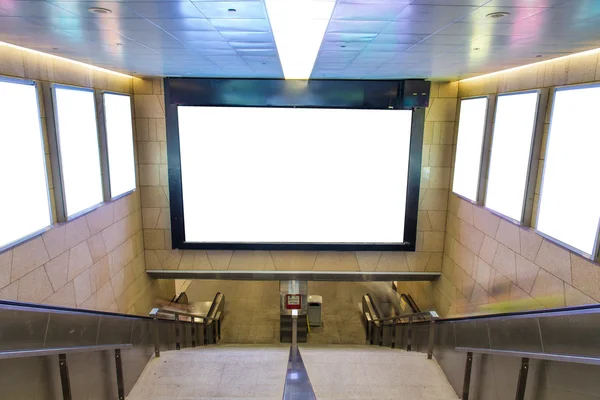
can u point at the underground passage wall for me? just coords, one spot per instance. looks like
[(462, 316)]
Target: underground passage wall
[(435, 173), (95, 261), (492, 265)]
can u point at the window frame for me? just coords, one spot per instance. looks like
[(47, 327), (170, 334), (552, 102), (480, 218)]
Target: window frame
[(534, 154), (485, 149), (595, 255), (103, 141), (43, 140), (55, 152)]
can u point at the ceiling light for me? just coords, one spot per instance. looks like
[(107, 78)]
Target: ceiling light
[(99, 10), (496, 15), (583, 53), (64, 59), (298, 27)]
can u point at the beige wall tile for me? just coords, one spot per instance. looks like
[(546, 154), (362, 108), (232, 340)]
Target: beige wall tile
[(100, 273), (555, 260), (440, 156), (54, 239), (483, 273), (251, 260), (574, 297), (10, 292), (548, 290), (423, 223), (27, 257), (154, 197), (142, 86), (417, 261), (105, 297), (465, 211), (149, 175), (164, 219), (435, 262), (96, 247), (582, 68), (118, 283), (154, 239), (194, 260), (12, 63), (505, 262), (80, 259), (392, 261), (428, 133), (526, 273), (152, 261), (5, 266), (499, 286), (530, 243), (57, 270), (449, 89), (148, 106), (64, 297), (100, 219), (35, 286), (433, 241), (120, 257), (437, 220), (508, 234), (219, 259), (169, 259), (586, 276), (488, 249), (439, 178), (479, 295), (76, 232), (441, 109), (148, 152), (470, 237), (150, 217), (336, 261), (434, 199), (163, 175), (296, 260)]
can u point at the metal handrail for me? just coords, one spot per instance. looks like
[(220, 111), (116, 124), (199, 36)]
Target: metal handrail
[(533, 355), (155, 311), (525, 356), (431, 314), (50, 351)]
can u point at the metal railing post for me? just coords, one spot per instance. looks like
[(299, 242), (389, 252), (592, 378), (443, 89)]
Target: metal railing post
[(193, 332), (410, 328), (431, 339), (467, 378), (64, 376), (156, 338), (177, 340), (522, 383), (120, 383), (393, 338)]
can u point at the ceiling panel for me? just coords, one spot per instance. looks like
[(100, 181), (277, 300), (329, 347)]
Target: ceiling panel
[(365, 39)]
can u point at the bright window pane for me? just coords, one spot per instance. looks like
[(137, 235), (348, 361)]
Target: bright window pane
[(79, 152), (24, 205), (511, 152), (471, 131), (119, 139), (569, 207)]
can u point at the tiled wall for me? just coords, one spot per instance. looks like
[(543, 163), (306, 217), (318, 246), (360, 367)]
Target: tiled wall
[(95, 261), (492, 265), (437, 152)]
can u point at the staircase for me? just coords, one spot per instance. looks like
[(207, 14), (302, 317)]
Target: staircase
[(259, 372)]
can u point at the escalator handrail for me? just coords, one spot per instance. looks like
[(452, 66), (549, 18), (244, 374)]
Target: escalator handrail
[(155, 311), (431, 314)]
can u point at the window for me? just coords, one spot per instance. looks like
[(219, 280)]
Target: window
[(78, 149), (512, 144), (119, 143), (569, 208), (469, 147), (24, 204)]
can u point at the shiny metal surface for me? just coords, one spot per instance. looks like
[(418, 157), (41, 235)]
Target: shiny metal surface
[(561, 345), (4, 355), (373, 39), (297, 383), (295, 275), (536, 356)]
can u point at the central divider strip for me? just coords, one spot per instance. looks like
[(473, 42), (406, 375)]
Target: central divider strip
[(297, 384)]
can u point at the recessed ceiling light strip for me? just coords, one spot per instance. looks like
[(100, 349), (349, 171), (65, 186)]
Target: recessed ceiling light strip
[(298, 27), (583, 53), (64, 59)]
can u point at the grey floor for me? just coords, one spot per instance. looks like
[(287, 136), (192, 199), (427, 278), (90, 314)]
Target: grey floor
[(252, 309)]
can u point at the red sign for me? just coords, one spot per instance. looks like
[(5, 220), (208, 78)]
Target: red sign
[(293, 301)]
